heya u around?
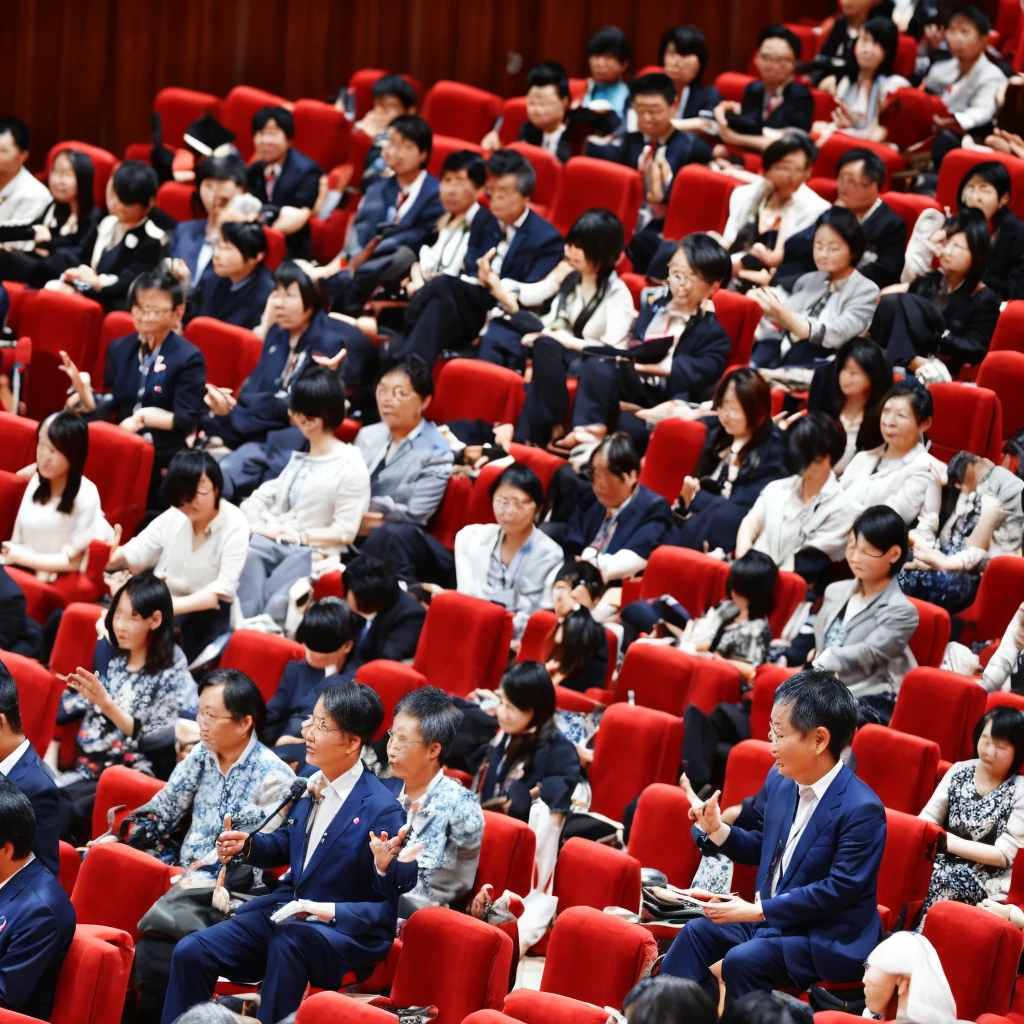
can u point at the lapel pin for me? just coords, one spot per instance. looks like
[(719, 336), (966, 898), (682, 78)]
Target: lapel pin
[(355, 821)]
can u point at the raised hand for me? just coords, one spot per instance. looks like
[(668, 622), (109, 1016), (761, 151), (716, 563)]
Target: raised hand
[(708, 816)]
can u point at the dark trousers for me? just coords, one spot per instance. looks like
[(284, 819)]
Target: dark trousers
[(602, 387), (502, 344), (907, 326), (252, 463), (412, 553), (201, 628), (349, 292), (547, 394), (446, 313), (75, 809), (767, 354), (289, 956)]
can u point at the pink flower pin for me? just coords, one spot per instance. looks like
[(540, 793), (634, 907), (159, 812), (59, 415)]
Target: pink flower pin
[(355, 821)]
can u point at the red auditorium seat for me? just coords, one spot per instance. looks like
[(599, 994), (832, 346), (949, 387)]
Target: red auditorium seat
[(175, 199), (790, 591), (548, 169), (906, 869), (660, 835), (1000, 594), (906, 56), (451, 515), (767, 679), (909, 206), (745, 772), (655, 742), (739, 315), (506, 855), (334, 1008), (899, 767), (837, 144), (121, 787), (464, 643), (321, 132), (1009, 332), (75, 642), (588, 182), (461, 111), (230, 352), (685, 215), (12, 491), (178, 108), (983, 981), (513, 117), (672, 455), (116, 324), (391, 681), (543, 463), (237, 111), (940, 706), (275, 248), (731, 84), (908, 117), (1003, 373), (443, 146), (480, 508), (593, 875), (928, 644), (533, 646), (952, 172), (19, 447), (38, 696), (103, 164), (468, 389), (693, 578), (496, 1017), (328, 236), (140, 879), (119, 464), (70, 865), (966, 418), (263, 657)]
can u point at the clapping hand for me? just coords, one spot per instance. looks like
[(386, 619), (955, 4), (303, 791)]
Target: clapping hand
[(330, 362), (691, 485), (385, 850), (87, 684), (230, 844)]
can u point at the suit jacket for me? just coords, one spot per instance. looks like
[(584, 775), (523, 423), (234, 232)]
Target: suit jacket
[(535, 251), (701, 97), (37, 924), (640, 528), (681, 148), (35, 780), (484, 235), (13, 622), (970, 319), (140, 249), (341, 871), (176, 382), (531, 134), (795, 111), (393, 634), (418, 221), (241, 306), (1005, 275), (875, 654), (554, 766), (189, 238), (298, 184), (294, 699), (829, 892)]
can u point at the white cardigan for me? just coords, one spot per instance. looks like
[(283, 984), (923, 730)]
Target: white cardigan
[(803, 209)]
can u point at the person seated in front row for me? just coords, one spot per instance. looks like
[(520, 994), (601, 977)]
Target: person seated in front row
[(658, 151), (905, 968), (838, 50), (1005, 670), (286, 181), (198, 546), (442, 815), (453, 311), (340, 909), (153, 378), (326, 633), (389, 618), (815, 916), (576, 649), (547, 104), (125, 244), (39, 920)]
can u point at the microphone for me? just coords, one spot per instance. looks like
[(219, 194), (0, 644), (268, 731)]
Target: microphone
[(295, 792)]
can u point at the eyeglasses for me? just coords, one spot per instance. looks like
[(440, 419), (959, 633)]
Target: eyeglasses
[(150, 314), (953, 247), (209, 716), (767, 59), (319, 725), (511, 504), (399, 394), (681, 277), (401, 743)]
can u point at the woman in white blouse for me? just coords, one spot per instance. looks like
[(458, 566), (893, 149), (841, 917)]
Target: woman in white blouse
[(60, 513), (198, 547)]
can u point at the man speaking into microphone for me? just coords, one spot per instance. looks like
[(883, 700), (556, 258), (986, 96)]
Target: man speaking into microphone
[(815, 914), (337, 912)]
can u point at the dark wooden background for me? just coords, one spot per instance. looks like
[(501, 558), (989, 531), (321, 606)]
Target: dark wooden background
[(88, 69)]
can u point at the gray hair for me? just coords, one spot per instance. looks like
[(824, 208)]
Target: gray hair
[(438, 716), (209, 1013), (244, 206)]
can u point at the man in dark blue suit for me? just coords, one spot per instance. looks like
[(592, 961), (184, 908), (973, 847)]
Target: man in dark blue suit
[(452, 311), (22, 766), (337, 913), (37, 921), (286, 181), (815, 913)]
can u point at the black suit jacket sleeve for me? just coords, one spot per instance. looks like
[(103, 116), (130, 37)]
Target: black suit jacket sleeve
[(279, 706), (398, 630), (31, 777), (556, 769), (886, 234), (124, 261), (699, 359), (189, 390), (968, 336), (12, 612)]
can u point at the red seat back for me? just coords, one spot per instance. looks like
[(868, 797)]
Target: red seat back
[(121, 786), (335, 1008), (672, 455), (321, 132), (443, 146), (951, 173), (900, 768), (19, 447), (38, 697), (660, 834), (790, 591), (694, 579), (230, 352), (667, 679), (513, 117), (906, 869), (966, 418), (241, 103), (361, 83), (906, 56), (767, 679), (451, 515), (276, 248), (75, 643), (461, 111), (12, 491), (70, 865), (103, 163), (118, 323), (464, 643), (588, 183), (391, 681), (940, 706), (468, 389), (591, 875), (506, 855), (685, 215), (548, 169), (909, 206), (544, 464), (263, 657), (119, 464), (531, 1007), (928, 644), (1000, 594), (826, 166), (739, 315), (175, 199), (1003, 373), (1009, 332), (94, 978), (731, 85), (178, 108), (908, 117)]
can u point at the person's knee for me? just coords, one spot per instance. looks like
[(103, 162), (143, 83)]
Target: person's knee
[(742, 963), (189, 953), (286, 944)]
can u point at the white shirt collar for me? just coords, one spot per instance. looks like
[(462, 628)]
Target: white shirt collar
[(31, 857), (434, 783), (820, 788), (412, 435), (874, 206), (8, 763), (345, 782), (617, 511), (518, 222)]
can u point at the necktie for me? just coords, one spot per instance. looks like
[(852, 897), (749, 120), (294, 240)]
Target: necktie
[(269, 178), (402, 196), (603, 534)]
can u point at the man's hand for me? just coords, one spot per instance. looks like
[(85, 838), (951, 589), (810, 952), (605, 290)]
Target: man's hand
[(330, 362), (230, 844), (732, 910), (691, 485), (708, 816), (303, 908), (86, 275), (364, 254), (385, 850), (219, 400)]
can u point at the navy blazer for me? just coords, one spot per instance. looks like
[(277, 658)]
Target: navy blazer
[(640, 528), (795, 111), (34, 779), (393, 634), (37, 924), (241, 306), (298, 184), (141, 249), (294, 699), (484, 234), (681, 148), (535, 251), (188, 239), (341, 871), (702, 97), (533, 136), (829, 892), (554, 766), (176, 381), (418, 221)]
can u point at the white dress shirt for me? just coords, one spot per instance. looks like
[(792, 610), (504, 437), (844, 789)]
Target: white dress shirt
[(411, 194), (448, 253), (550, 140), (503, 246), (332, 796), (8, 763)]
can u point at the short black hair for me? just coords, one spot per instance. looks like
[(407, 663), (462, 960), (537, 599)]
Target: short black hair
[(992, 171), (791, 142), (319, 393), (883, 528), (147, 594), (417, 131), (887, 35), (874, 165), (665, 999), (17, 820), (355, 708), (229, 167), (583, 574), (600, 235), (184, 473), (811, 437), (786, 35), (977, 17), (1007, 724), (767, 1008), (326, 627), (19, 132), (818, 698), (159, 279), (972, 224), (69, 434), (468, 161), (397, 87), (958, 466), (135, 183), (289, 273), (919, 397), (619, 453), (415, 368), (753, 576), (371, 582), (847, 227), (688, 40), (707, 259), (655, 83), (247, 237), (9, 706), (610, 40), (241, 695), (523, 479), (438, 716), (509, 161), (280, 115), (549, 72)]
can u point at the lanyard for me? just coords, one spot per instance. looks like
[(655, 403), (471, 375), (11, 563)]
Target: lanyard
[(144, 368)]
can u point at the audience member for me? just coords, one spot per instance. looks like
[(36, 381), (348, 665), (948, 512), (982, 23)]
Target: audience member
[(392, 96), (763, 1008), (23, 197), (237, 290), (838, 52), (905, 969), (547, 104), (665, 1000), (576, 649), (1004, 667), (683, 53), (608, 57)]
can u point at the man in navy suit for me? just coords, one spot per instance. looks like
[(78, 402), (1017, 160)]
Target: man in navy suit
[(815, 913), (452, 311), (336, 913), (283, 179), (21, 765), (37, 921)]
